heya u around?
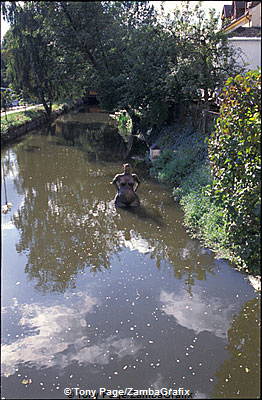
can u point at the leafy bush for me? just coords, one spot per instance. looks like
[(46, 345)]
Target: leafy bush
[(124, 125), (234, 152)]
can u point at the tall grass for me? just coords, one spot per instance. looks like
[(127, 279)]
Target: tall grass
[(205, 219), (185, 168)]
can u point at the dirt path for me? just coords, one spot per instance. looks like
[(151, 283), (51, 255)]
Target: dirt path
[(20, 108)]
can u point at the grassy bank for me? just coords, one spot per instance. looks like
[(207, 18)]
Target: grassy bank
[(20, 117), (184, 166)]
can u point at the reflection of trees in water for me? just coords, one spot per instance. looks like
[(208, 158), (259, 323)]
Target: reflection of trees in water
[(9, 163), (96, 134), (185, 254), (68, 222), (63, 227), (239, 376), (8, 168)]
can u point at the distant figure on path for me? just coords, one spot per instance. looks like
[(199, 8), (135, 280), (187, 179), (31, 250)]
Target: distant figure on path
[(126, 184)]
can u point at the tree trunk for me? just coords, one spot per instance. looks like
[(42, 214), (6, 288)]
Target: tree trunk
[(135, 130), (48, 109), (129, 146)]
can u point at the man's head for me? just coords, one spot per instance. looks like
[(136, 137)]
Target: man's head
[(127, 168)]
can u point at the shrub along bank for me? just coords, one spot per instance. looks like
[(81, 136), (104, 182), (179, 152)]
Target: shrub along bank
[(217, 179)]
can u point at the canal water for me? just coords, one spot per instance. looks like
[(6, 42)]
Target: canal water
[(94, 297)]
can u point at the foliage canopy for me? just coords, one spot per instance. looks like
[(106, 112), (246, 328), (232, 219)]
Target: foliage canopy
[(136, 58)]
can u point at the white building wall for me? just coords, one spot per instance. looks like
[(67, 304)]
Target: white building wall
[(255, 14), (251, 48)]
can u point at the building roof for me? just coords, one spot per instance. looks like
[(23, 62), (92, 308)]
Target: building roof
[(227, 11), (245, 32), (230, 9), (251, 4), (240, 4)]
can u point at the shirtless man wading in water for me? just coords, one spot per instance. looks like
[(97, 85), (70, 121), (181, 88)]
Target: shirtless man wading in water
[(126, 184)]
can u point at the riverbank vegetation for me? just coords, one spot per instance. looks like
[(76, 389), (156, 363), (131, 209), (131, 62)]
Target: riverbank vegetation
[(18, 118), (164, 71), (216, 179)]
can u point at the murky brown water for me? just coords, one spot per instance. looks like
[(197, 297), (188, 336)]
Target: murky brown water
[(93, 297)]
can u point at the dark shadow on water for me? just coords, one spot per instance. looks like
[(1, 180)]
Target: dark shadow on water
[(32, 148), (64, 144), (144, 214)]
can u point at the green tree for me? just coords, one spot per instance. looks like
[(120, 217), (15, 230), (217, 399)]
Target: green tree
[(6, 100), (5, 82), (204, 57), (126, 50), (234, 152), (35, 63), (135, 60)]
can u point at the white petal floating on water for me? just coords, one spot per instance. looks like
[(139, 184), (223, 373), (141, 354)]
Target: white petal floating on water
[(255, 282), (5, 209), (26, 381)]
